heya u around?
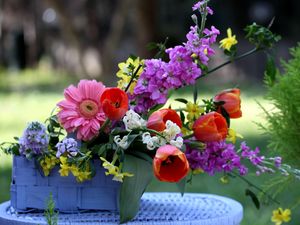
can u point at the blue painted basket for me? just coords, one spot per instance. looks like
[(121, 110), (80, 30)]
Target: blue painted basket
[(30, 189)]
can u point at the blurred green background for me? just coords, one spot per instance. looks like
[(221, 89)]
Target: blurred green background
[(46, 45)]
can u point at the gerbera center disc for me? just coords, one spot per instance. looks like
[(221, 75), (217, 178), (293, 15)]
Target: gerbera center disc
[(88, 108)]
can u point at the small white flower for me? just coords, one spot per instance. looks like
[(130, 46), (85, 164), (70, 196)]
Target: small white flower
[(147, 139), (121, 142), (178, 142), (159, 141), (171, 130), (133, 120), (152, 142)]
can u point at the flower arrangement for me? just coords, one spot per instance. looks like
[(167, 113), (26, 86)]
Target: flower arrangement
[(135, 135)]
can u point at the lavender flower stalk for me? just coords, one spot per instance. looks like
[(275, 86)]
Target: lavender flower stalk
[(34, 140), (67, 145)]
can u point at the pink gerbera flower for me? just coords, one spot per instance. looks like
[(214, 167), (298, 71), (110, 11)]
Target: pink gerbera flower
[(81, 110)]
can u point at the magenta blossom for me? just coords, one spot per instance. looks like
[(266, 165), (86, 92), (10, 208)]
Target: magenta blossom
[(198, 6)]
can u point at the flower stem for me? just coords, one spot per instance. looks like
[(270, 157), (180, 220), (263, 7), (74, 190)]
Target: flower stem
[(230, 61), (188, 136), (133, 77), (203, 18), (254, 186), (102, 128), (150, 131), (141, 129)]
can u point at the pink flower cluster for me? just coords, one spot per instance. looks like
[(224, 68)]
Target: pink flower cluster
[(218, 156), (158, 77), (199, 6)]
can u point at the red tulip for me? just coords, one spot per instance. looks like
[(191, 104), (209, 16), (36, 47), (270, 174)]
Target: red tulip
[(157, 120), (210, 127), (170, 164), (232, 102), (114, 103)]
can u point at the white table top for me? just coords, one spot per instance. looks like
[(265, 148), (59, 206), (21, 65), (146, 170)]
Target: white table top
[(155, 208)]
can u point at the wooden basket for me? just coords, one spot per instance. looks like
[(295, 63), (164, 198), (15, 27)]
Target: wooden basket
[(30, 189)]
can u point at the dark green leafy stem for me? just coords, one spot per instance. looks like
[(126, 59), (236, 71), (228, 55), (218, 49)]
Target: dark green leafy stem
[(160, 46), (253, 197), (133, 77), (230, 61), (10, 148), (251, 185), (181, 185)]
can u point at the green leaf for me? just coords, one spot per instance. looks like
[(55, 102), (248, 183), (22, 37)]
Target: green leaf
[(152, 45), (253, 197), (131, 138), (226, 115), (181, 185), (102, 150), (155, 108), (133, 188), (133, 57), (195, 93), (182, 116), (142, 155), (182, 100), (271, 71)]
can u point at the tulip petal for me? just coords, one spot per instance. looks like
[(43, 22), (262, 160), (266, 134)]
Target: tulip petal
[(170, 164)]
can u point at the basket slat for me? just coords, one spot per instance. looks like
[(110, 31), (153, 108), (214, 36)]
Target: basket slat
[(30, 189)]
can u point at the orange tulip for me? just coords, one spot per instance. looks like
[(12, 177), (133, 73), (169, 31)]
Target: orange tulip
[(157, 120), (232, 102), (210, 127), (170, 164), (114, 103)]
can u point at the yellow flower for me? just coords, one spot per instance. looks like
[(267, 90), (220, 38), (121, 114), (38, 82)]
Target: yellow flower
[(228, 42), (80, 175), (48, 163), (280, 216), (114, 170), (224, 179), (64, 167), (185, 131), (75, 171), (126, 71), (193, 110), (120, 176), (64, 170), (198, 171), (232, 135), (84, 175)]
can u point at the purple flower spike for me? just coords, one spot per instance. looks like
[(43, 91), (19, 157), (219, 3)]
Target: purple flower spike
[(34, 140), (68, 145)]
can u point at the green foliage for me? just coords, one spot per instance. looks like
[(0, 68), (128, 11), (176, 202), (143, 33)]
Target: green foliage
[(133, 187), (261, 36), (50, 214), (284, 120), (253, 197), (40, 79)]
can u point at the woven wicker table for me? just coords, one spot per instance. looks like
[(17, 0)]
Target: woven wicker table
[(156, 208)]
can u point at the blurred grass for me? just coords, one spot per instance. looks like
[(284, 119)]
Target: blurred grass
[(33, 94)]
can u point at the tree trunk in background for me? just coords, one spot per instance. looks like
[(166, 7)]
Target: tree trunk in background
[(113, 38), (69, 33), (146, 21)]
